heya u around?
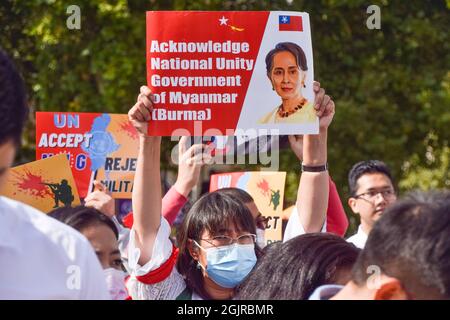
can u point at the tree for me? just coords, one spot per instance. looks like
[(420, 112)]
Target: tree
[(391, 86)]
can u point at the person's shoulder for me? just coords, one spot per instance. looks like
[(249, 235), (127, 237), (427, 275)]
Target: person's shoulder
[(45, 228), (357, 239), (352, 238), (14, 205), (34, 235), (20, 213)]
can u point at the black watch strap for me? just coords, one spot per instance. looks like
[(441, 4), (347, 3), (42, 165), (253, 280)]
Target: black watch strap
[(315, 168)]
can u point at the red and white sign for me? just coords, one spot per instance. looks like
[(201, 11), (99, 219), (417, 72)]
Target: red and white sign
[(209, 74)]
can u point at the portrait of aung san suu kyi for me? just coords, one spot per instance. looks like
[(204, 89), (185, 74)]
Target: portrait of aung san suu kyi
[(287, 70)]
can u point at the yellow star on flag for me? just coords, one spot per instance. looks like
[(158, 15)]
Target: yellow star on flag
[(224, 21)]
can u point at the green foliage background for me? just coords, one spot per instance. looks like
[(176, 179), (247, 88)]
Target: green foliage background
[(391, 86)]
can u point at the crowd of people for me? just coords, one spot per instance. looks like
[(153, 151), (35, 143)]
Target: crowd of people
[(400, 251)]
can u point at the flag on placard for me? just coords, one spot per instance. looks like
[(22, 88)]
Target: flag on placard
[(290, 23)]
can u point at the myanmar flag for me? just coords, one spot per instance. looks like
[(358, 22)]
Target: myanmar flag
[(290, 23)]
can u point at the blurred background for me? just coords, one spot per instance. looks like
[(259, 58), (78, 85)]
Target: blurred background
[(391, 86)]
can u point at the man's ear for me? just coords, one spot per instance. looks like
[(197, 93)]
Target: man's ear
[(391, 289), (193, 249), (352, 204)]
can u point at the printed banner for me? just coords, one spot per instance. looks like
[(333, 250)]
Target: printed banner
[(101, 147), (230, 73), (266, 188), (44, 184)]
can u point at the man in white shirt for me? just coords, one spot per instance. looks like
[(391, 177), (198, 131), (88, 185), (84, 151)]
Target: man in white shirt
[(372, 191), (40, 258), (406, 256)]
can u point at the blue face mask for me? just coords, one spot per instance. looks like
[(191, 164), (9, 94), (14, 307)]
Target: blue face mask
[(229, 265)]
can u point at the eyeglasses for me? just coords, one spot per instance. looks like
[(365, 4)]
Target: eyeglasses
[(372, 195), (223, 240)]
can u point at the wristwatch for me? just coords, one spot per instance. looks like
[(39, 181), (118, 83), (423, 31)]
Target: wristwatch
[(315, 168)]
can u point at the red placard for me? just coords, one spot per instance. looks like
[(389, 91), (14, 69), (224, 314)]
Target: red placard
[(211, 73), (215, 39)]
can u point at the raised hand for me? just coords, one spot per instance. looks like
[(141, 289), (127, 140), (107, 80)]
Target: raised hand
[(140, 113), (324, 106), (190, 163), (101, 200)]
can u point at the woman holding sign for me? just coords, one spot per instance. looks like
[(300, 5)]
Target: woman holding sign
[(286, 68), (216, 242)]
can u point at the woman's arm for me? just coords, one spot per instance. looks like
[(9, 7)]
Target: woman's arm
[(313, 190), (312, 199), (147, 196), (147, 180)]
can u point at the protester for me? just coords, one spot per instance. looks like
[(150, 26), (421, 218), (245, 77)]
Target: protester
[(40, 258), (372, 191), (209, 260), (151, 248), (407, 254), (294, 269), (209, 264), (103, 235)]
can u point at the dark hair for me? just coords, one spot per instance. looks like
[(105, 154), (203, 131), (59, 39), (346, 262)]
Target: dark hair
[(82, 217), (291, 47), (410, 242), (211, 212), (366, 167), (238, 194), (294, 269), (13, 107)]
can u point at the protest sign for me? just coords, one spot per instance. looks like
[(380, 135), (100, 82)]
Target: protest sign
[(266, 189), (43, 184), (100, 146), (217, 73)]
